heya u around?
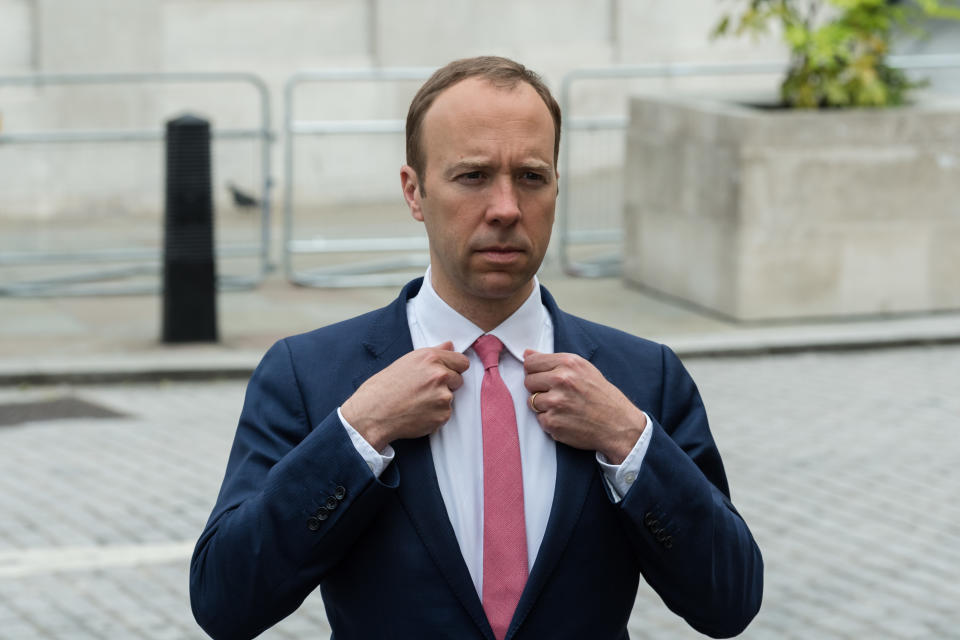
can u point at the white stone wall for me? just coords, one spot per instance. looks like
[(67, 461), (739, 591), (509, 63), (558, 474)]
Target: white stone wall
[(16, 38), (274, 38)]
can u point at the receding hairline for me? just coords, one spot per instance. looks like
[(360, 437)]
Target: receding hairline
[(500, 72)]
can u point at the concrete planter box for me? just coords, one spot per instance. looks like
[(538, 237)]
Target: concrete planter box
[(766, 214)]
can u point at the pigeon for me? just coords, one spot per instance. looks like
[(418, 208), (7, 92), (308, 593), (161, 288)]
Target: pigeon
[(242, 199)]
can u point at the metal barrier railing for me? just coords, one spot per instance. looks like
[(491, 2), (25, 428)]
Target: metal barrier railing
[(610, 265), (356, 274), (148, 257)]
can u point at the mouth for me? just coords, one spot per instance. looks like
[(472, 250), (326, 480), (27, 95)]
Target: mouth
[(500, 254)]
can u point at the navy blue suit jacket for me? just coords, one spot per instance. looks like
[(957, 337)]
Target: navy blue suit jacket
[(385, 556)]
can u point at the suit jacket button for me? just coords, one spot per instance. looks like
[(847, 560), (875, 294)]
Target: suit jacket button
[(321, 514), (331, 503), (313, 524), (340, 493)]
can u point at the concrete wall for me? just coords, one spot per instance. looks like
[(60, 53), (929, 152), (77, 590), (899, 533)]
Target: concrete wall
[(16, 36), (274, 38), (761, 214)]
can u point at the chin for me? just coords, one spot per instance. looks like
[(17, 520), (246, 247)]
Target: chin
[(500, 286)]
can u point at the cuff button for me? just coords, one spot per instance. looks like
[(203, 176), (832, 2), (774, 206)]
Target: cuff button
[(340, 493), (313, 524)]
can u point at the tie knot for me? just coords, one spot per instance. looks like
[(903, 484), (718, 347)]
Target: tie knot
[(488, 348)]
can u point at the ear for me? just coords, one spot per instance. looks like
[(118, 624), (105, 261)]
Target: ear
[(410, 183)]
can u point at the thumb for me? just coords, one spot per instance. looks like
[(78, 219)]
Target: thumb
[(446, 346)]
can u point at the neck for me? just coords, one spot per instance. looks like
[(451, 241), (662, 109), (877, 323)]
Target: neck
[(486, 313)]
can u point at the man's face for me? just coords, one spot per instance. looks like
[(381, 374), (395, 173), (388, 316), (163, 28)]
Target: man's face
[(490, 191)]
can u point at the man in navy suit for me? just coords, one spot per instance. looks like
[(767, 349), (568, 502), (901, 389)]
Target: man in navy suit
[(358, 465)]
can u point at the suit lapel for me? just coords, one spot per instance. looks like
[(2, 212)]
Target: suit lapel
[(418, 491), (389, 334), (576, 472), (424, 505)]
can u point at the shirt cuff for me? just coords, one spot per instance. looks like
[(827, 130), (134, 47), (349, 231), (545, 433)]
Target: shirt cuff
[(620, 477), (376, 461)]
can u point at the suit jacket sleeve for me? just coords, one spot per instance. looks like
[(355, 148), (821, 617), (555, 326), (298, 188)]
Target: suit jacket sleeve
[(294, 497), (692, 546)]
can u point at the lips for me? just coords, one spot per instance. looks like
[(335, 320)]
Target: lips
[(500, 254), (500, 249)]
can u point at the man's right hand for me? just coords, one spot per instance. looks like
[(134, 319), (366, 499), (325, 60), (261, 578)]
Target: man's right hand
[(412, 397)]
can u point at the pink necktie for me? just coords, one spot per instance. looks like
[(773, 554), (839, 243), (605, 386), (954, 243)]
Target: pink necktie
[(504, 530)]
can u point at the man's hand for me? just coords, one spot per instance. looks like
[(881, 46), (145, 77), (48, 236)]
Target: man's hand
[(579, 407), (412, 397)]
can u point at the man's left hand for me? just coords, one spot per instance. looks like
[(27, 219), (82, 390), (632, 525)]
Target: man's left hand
[(577, 406)]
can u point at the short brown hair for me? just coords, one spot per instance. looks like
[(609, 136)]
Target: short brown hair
[(501, 72)]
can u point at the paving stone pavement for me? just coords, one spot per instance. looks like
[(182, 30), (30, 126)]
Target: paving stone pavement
[(846, 465)]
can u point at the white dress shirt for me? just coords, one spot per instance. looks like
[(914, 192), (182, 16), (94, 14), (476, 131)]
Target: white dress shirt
[(457, 447)]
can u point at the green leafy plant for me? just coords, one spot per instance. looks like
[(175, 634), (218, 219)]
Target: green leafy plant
[(839, 48)]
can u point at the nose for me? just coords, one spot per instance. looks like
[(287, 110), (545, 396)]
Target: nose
[(504, 205)]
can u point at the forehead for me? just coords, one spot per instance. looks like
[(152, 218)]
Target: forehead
[(475, 116)]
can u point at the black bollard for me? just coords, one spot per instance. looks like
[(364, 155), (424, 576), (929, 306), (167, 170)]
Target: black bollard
[(189, 270)]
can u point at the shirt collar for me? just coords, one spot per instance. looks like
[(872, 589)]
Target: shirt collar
[(440, 322)]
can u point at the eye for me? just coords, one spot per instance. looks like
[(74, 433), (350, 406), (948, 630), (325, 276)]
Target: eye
[(533, 176), (470, 177)]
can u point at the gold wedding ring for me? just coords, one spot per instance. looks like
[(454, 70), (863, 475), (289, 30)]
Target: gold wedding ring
[(533, 402)]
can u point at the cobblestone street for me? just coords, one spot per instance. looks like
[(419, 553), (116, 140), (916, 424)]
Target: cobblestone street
[(846, 465)]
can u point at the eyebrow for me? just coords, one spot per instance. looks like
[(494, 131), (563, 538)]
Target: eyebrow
[(464, 166)]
